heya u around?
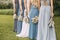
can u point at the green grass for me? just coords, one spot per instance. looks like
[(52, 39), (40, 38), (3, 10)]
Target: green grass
[(6, 11), (57, 26), (6, 28)]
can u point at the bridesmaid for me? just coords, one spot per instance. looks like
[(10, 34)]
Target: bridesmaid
[(20, 16), (34, 12), (15, 7), (46, 29), (25, 24)]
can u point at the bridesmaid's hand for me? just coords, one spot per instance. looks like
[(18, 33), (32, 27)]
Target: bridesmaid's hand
[(20, 18), (26, 19), (52, 14), (35, 19), (15, 16)]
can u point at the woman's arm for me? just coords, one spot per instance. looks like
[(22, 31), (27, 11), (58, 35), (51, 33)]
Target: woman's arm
[(29, 5), (26, 8), (20, 5), (52, 8), (14, 8), (25, 3), (38, 4)]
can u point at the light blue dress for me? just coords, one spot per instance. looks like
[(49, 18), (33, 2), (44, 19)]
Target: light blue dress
[(19, 23), (33, 26), (15, 20), (44, 31)]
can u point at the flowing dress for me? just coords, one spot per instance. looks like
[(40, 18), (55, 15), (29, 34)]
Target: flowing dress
[(45, 32), (25, 26), (25, 29), (19, 23), (15, 20), (33, 26)]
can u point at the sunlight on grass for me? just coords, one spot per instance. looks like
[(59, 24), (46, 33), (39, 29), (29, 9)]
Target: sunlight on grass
[(6, 28), (57, 26)]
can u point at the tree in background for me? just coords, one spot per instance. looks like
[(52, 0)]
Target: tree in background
[(57, 7), (7, 4)]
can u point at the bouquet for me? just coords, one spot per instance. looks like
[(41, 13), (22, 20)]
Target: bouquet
[(35, 19)]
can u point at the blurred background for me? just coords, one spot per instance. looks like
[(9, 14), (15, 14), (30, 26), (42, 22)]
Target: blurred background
[(6, 20)]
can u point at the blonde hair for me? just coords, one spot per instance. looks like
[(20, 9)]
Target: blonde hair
[(36, 3)]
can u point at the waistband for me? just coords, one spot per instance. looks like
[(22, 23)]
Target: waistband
[(34, 6), (45, 5)]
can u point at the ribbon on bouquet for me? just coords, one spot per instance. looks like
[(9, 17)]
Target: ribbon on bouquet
[(51, 22)]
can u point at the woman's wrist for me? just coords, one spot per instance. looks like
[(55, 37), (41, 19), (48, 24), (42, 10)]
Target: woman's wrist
[(52, 14), (15, 16)]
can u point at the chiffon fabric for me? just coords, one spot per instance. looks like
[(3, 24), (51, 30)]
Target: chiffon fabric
[(15, 25), (25, 26), (15, 20), (25, 29), (19, 23), (33, 26), (44, 31)]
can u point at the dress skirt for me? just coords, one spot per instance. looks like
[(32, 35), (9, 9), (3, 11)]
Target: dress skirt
[(15, 25), (19, 23), (44, 31), (15, 20), (33, 26), (25, 28)]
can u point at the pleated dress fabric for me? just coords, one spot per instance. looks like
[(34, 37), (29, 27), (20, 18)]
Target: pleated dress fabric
[(33, 26), (19, 23), (15, 20), (44, 31)]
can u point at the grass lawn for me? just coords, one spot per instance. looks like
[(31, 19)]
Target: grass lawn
[(6, 11), (6, 28)]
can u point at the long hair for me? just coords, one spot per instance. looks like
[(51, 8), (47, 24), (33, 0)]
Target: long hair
[(36, 3)]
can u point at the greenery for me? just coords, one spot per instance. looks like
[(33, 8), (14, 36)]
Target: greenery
[(7, 25), (6, 28), (57, 13), (6, 6), (6, 11), (10, 12), (57, 7)]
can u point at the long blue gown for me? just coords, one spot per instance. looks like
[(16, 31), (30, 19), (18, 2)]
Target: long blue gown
[(44, 31), (19, 23), (33, 26), (15, 20)]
